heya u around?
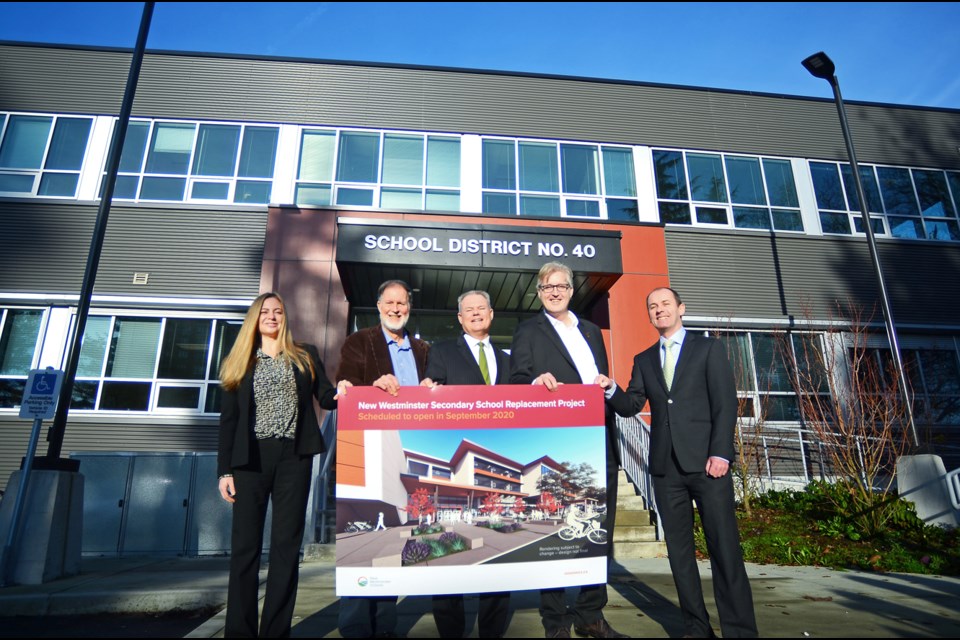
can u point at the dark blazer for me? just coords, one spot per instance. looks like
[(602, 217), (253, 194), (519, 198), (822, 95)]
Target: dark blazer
[(452, 362), (697, 417), (365, 356), (537, 348), (237, 415)]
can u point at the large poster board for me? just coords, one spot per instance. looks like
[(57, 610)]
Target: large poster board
[(470, 489)]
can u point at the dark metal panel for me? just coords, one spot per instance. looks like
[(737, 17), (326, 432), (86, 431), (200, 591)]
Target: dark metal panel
[(781, 277), (298, 91), (188, 252), (109, 434)]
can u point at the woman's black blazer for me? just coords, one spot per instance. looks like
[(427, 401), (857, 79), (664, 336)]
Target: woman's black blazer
[(238, 414)]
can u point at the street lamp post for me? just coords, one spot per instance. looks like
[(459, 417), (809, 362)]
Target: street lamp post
[(55, 436), (821, 66)]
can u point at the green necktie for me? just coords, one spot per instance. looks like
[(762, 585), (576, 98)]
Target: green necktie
[(483, 364), (668, 363)]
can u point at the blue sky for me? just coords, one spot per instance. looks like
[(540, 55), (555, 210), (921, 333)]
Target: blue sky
[(900, 53)]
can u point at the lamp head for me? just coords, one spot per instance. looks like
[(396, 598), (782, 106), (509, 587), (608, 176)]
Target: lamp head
[(820, 65)]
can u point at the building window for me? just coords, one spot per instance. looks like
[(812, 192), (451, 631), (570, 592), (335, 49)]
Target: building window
[(19, 336), (197, 162), (712, 189), (417, 468), (132, 363), (935, 379), (765, 366), (933, 373), (903, 203), (551, 179), (42, 155), (386, 170)]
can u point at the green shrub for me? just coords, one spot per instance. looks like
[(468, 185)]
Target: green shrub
[(820, 526)]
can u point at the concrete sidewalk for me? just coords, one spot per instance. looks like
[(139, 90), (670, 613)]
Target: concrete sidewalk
[(790, 601)]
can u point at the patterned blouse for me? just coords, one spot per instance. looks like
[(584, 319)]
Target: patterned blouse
[(275, 397)]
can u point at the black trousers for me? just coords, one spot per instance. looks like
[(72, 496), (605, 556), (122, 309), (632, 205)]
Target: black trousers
[(715, 502), (364, 617), (283, 476), (591, 599), (492, 613)]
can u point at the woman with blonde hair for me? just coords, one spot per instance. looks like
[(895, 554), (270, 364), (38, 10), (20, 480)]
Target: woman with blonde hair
[(268, 437)]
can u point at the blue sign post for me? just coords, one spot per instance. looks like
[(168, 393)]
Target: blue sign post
[(40, 403)]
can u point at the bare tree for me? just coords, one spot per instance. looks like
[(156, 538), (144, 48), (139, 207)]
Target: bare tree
[(849, 398)]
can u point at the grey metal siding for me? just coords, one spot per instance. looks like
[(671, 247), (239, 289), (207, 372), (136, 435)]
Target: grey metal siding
[(188, 252), (296, 91), (107, 434), (779, 277)]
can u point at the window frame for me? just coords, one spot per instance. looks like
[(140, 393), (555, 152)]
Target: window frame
[(190, 178), (700, 211), (37, 347), (886, 218), (38, 174), (206, 383), (565, 200), (377, 188)]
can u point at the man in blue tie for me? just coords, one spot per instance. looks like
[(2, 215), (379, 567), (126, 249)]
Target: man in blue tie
[(470, 359), (693, 413)]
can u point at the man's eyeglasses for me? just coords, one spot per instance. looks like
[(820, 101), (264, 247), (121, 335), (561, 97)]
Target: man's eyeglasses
[(550, 288)]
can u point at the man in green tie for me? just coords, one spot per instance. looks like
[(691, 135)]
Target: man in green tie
[(470, 359), (689, 383)]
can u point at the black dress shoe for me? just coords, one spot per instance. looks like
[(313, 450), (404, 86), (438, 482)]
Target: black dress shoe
[(599, 629)]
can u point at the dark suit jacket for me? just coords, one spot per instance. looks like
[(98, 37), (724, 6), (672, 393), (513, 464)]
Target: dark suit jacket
[(237, 415), (365, 356), (697, 417), (452, 362), (537, 348)]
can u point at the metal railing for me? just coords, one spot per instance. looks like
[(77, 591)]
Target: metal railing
[(953, 486), (634, 442), (322, 490)]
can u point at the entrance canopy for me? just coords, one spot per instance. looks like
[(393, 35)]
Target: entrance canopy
[(441, 261)]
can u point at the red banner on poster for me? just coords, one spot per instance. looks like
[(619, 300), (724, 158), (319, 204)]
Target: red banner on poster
[(471, 407)]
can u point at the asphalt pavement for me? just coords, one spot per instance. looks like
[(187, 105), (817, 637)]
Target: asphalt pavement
[(184, 597)]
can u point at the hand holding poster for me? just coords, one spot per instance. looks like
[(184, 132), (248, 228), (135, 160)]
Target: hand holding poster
[(470, 489)]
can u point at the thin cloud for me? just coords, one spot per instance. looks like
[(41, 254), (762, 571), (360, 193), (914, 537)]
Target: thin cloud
[(305, 22)]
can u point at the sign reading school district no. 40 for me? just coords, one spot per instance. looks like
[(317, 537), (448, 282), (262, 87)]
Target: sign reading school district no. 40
[(41, 393)]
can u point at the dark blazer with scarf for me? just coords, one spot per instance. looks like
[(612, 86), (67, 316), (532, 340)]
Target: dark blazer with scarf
[(365, 356), (238, 414), (697, 417), (452, 362)]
